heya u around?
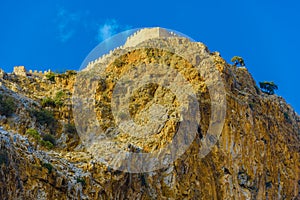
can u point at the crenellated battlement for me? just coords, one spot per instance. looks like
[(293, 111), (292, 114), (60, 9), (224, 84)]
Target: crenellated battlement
[(146, 34), (39, 73), (135, 39), (132, 41), (21, 71)]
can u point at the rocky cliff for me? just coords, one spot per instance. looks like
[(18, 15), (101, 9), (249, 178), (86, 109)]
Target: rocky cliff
[(44, 156)]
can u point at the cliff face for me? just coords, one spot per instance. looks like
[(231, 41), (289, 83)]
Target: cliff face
[(257, 155)]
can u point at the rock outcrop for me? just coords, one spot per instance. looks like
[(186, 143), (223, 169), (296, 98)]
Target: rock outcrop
[(257, 155)]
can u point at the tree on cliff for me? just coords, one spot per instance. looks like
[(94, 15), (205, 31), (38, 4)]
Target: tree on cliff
[(237, 60), (268, 87), (7, 105)]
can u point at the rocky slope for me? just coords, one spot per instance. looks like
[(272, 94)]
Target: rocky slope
[(256, 157)]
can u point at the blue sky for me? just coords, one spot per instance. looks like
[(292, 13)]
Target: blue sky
[(58, 34)]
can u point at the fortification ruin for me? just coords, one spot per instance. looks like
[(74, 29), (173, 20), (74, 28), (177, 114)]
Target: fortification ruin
[(21, 71), (135, 39)]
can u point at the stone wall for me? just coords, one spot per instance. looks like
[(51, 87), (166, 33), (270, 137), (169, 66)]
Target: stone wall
[(135, 39), (146, 34), (19, 71)]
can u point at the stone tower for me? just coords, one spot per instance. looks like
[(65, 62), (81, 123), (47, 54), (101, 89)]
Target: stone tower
[(19, 71), (146, 34)]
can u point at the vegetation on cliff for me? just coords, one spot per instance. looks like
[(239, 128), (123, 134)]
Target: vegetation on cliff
[(238, 61), (42, 156), (7, 105), (268, 87)]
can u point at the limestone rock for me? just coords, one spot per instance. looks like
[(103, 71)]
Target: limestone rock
[(2, 73), (256, 157)]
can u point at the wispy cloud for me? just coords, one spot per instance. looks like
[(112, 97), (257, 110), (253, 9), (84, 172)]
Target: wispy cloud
[(106, 30), (66, 23), (73, 23), (109, 28)]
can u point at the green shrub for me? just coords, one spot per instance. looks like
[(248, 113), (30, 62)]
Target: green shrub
[(44, 117), (59, 98), (48, 102), (50, 138), (143, 180), (81, 180), (237, 60), (59, 94), (47, 144), (252, 105), (33, 133), (7, 105), (268, 87), (119, 63), (287, 117), (57, 101), (70, 129), (3, 157), (48, 166), (50, 76), (47, 141)]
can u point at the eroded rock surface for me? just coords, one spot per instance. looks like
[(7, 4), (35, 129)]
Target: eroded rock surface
[(256, 157)]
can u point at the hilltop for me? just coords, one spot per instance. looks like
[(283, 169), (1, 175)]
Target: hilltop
[(44, 155)]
